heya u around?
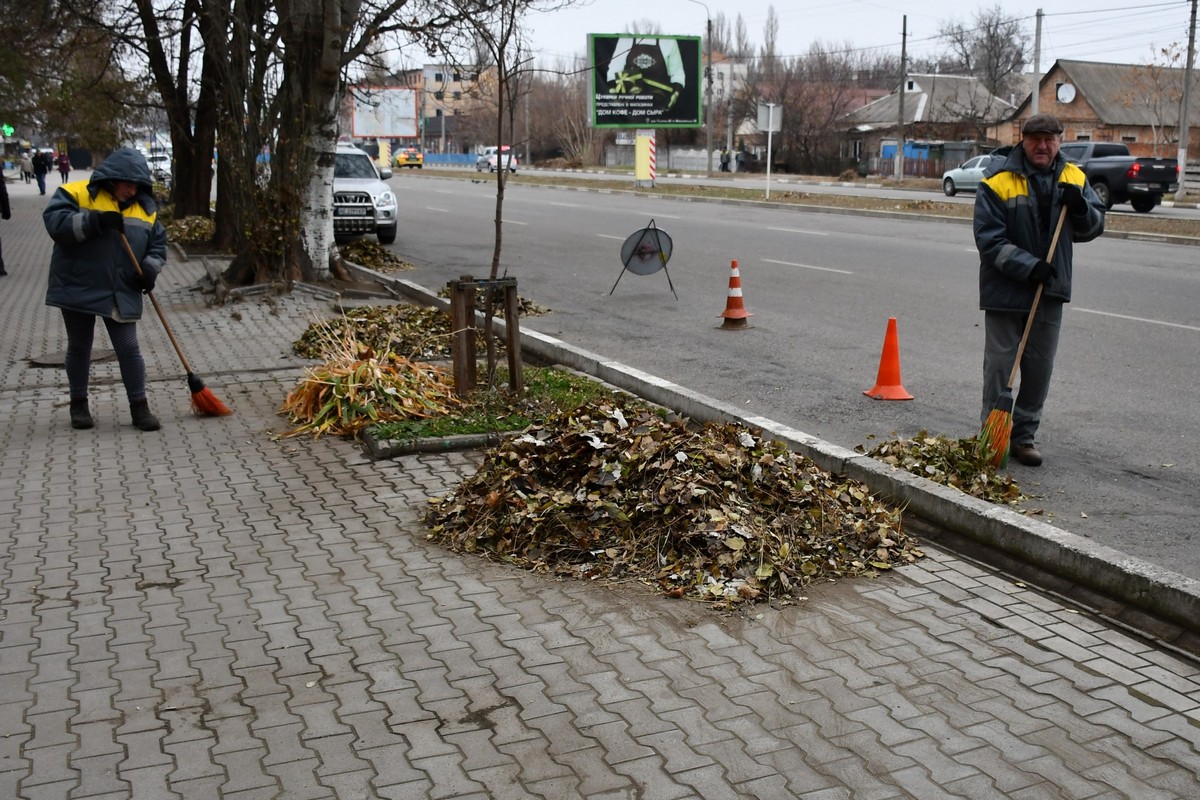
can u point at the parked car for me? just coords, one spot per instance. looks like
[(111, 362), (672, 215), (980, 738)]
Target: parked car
[(966, 176), (160, 167), (1118, 177), (410, 157), (490, 157), (362, 202)]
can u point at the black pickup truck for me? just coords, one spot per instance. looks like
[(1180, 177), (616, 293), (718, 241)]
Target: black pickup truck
[(1118, 177)]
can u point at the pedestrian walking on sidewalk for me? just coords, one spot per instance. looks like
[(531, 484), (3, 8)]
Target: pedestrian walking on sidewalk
[(26, 167), (92, 276), (41, 167), (64, 166), (1016, 208), (5, 213)]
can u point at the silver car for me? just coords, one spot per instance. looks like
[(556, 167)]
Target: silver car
[(362, 202), (966, 176), (491, 157)]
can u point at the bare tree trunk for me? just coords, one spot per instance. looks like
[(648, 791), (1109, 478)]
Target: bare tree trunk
[(192, 138)]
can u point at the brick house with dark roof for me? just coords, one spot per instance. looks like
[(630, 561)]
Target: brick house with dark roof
[(947, 118), (1136, 104)]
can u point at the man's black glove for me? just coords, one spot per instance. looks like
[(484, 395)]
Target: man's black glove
[(148, 279), (1072, 198), (112, 221), (1042, 272)]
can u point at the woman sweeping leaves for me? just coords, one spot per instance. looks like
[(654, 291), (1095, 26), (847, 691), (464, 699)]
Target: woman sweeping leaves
[(92, 276)]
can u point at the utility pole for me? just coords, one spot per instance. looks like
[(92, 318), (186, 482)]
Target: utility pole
[(421, 112), (707, 86), (528, 91), (1037, 66), (729, 116), (1184, 118), (903, 80), (708, 96)]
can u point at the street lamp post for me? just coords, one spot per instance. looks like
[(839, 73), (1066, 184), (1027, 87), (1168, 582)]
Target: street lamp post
[(708, 88)]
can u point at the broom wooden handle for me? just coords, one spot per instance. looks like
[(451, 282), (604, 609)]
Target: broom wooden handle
[(163, 318), (1037, 297)]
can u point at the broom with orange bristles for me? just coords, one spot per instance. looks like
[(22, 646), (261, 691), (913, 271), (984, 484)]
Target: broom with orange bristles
[(204, 402), (998, 427)]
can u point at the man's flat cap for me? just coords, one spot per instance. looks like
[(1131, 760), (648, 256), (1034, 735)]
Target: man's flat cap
[(1042, 123)]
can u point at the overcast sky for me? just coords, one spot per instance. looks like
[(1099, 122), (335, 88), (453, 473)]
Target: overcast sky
[(1086, 30)]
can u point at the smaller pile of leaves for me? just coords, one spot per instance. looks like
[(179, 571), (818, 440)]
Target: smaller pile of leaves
[(525, 306), (360, 387), (961, 463), (922, 205), (191, 230), (420, 332), (372, 255), (713, 514)]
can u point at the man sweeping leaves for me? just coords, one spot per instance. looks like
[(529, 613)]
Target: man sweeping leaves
[(1016, 210)]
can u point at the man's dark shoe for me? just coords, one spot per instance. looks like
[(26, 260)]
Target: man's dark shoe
[(81, 417), (1027, 454)]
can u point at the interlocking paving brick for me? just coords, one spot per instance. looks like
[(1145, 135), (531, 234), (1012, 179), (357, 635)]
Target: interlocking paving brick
[(236, 616)]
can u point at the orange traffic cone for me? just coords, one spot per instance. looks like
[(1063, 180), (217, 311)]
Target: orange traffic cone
[(735, 312), (887, 382)]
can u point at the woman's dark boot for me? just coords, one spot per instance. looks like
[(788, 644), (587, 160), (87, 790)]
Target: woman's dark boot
[(81, 418), (143, 420)]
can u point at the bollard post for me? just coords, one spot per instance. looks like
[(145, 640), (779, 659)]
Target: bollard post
[(462, 334)]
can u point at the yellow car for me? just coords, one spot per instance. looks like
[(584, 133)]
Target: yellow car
[(410, 157)]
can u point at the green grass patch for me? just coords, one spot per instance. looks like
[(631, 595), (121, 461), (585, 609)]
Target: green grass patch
[(492, 410)]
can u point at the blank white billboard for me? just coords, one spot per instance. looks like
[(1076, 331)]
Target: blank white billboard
[(379, 112)]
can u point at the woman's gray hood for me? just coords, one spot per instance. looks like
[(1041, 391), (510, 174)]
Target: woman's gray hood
[(125, 164)]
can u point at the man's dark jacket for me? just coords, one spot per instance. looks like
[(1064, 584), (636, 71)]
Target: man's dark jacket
[(1012, 238)]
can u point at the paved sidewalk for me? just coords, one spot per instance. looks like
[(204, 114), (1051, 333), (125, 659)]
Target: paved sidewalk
[(210, 611)]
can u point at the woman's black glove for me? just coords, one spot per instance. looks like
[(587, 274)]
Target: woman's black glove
[(148, 278), (112, 221), (1072, 197)]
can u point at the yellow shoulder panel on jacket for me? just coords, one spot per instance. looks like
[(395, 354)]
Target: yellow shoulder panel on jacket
[(1072, 174), (103, 201), (1008, 185)]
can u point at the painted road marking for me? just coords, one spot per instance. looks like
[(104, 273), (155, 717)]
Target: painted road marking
[(808, 266), (1139, 319)]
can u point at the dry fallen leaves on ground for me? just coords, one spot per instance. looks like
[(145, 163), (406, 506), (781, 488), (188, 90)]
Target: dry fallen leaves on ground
[(717, 513), (417, 332), (359, 386), (374, 256), (960, 463), (525, 306)]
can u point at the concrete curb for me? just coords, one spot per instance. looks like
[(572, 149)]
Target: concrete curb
[(379, 449), (1169, 596)]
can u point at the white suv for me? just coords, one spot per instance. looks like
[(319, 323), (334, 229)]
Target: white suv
[(362, 202), (491, 156)]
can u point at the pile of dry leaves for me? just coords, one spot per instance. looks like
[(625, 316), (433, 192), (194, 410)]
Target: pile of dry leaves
[(963, 464), (716, 514), (417, 332), (359, 386), (525, 306), (372, 255)]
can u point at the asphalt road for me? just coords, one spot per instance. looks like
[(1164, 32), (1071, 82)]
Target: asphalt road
[(1121, 427)]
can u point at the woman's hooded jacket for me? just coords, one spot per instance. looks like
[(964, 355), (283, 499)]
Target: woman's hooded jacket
[(90, 270)]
